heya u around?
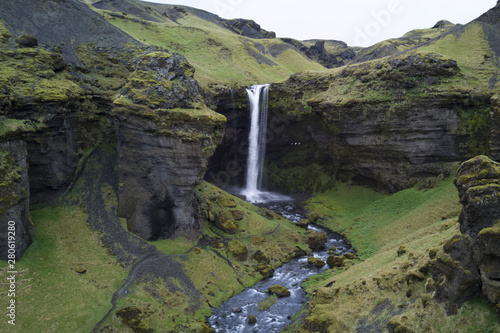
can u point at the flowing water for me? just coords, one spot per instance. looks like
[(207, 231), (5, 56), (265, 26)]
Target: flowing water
[(257, 97), (232, 316)]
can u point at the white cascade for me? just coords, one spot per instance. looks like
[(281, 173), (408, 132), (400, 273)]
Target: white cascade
[(258, 99)]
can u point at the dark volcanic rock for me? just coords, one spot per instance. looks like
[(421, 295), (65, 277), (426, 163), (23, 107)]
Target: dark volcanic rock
[(67, 24), (158, 173), (247, 28), (14, 200), (470, 263), (335, 54), (478, 184)]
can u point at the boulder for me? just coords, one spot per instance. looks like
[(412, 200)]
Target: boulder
[(27, 40), (252, 320), (238, 215), (261, 257), (225, 223), (265, 270), (303, 224), (279, 291), (335, 261), (238, 250), (318, 262), (316, 239)]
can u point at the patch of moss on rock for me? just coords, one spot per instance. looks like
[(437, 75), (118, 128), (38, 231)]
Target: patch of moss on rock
[(135, 318), (279, 291), (238, 250)]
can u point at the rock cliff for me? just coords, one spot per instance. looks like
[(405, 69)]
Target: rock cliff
[(63, 95), (389, 124), (469, 264)]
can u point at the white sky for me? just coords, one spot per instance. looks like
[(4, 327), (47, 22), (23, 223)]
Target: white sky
[(356, 22)]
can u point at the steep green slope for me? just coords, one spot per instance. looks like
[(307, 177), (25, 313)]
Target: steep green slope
[(219, 54)]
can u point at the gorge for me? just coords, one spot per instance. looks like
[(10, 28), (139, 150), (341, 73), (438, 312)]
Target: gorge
[(121, 130)]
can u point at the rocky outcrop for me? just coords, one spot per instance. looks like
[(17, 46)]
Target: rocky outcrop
[(329, 53), (247, 28), (470, 263), (386, 125), (16, 230), (158, 172), (163, 152), (144, 100)]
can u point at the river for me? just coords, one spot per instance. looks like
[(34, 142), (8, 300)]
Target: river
[(233, 315)]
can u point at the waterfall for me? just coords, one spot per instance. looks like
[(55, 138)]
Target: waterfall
[(257, 96)]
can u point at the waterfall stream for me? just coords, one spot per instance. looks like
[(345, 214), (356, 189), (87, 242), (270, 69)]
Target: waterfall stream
[(256, 140), (232, 316), (258, 99)]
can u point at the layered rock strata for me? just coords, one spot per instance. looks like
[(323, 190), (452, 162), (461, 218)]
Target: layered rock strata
[(470, 263), (399, 128), (60, 101)]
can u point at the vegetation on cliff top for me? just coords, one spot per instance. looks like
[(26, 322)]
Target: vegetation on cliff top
[(219, 55)]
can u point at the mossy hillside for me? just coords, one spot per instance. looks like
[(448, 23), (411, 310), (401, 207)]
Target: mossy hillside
[(390, 285), (69, 262), (473, 54), (214, 270), (33, 75), (456, 66), (48, 282), (388, 288), (219, 56), (373, 221), (408, 41)]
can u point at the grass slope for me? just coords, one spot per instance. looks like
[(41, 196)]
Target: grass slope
[(219, 55), (202, 269), (388, 287)]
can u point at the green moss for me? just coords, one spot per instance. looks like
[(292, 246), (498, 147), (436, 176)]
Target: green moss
[(48, 277), (267, 303), (11, 175), (371, 220), (204, 44)]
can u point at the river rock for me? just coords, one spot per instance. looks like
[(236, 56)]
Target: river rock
[(335, 261), (303, 224), (252, 320), (316, 239), (279, 291), (318, 262), (265, 270)]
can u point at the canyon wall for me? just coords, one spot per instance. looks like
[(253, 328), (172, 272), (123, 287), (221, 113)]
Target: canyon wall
[(60, 101), (399, 129)]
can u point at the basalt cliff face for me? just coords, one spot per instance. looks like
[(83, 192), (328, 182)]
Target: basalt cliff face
[(468, 264), (403, 135), (61, 97)]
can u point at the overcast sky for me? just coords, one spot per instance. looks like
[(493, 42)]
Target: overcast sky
[(356, 22)]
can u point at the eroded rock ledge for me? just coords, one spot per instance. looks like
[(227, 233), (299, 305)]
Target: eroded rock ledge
[(470, 263), (143, 99)]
